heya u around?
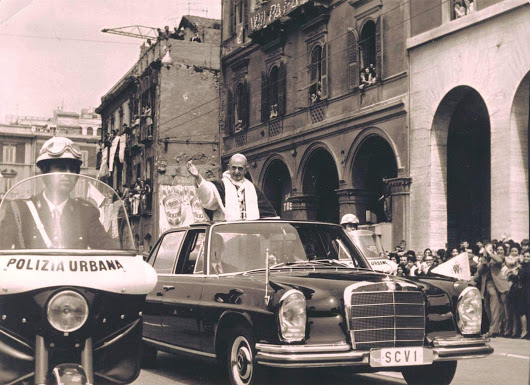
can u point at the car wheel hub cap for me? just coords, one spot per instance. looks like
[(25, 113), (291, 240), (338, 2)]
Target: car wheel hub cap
[(242, 360)]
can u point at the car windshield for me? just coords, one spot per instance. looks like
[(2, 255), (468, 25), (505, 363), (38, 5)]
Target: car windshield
[(62, 211), (244, 246), (369, 243)]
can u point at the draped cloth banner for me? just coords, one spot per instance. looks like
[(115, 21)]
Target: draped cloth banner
[(113, 149), (104, 168), (123, 142), (179, 206)]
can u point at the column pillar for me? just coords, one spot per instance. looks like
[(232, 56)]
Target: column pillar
[(354, 201), (304, 206), (399, 191)]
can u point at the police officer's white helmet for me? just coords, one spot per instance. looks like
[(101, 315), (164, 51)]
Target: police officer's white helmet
[(59, 147), (349, 219)]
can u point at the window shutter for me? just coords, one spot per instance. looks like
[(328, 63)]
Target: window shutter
[(282, 89), (264, 97), (379, 48), (353, 61), (246, 106), (325, 70), (229, 117), (20, 153)]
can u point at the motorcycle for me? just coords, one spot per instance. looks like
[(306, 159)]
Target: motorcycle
[(72, 286)]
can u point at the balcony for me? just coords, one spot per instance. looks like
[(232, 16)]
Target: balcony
[(274, 16)]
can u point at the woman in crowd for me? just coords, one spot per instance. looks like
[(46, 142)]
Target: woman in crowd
[(524, 294)]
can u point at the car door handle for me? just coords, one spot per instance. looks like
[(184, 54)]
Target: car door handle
[(168, 288)]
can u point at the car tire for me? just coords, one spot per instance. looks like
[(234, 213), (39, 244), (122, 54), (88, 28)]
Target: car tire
[(240, 357), (438, 373), (149, 354)]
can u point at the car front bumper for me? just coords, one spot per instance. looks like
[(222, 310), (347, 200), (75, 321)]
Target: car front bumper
[(341, 354)]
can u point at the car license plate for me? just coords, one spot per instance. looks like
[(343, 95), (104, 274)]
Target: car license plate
[(400, 357)]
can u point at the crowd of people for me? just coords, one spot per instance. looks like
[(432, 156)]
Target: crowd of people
[(137, 197), (500, 269), (464, 9)]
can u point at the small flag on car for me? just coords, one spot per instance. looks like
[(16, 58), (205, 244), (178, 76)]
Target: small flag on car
[(457, 267)]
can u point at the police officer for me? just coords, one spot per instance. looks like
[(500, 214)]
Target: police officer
[(51, 219), (349, 222)]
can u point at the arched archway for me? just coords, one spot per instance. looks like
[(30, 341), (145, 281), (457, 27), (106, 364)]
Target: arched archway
[(373, 163), (277, 187), (520, 160), (321, 180), (462, 125)]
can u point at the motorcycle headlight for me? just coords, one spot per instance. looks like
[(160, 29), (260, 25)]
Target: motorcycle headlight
[(292, 316), (469, 311), (67, 311)]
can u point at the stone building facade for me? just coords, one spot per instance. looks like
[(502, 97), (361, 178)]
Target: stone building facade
[(322, 139), (469, 102), (168, 112), (21, 138)]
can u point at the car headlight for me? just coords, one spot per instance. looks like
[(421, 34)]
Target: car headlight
[(67, 311), (470, 311), (292, 316)]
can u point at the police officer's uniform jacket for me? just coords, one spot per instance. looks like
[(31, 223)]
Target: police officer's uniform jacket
[(80, 227)]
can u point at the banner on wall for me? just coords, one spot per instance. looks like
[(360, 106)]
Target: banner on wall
[(179, 206)]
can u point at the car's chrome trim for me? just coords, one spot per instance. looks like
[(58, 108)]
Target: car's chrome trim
[(459, 341), (179, 348), (282, 349), (340, 354)]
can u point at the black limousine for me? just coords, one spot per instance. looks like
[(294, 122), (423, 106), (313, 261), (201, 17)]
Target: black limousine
[(275, 293)]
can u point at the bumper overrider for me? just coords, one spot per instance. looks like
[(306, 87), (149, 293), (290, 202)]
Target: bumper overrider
[(341, 354)]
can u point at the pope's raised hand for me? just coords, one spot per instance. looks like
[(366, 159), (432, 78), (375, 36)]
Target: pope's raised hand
[(193, 170)]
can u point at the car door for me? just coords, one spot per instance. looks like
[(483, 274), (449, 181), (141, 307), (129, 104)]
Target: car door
[(163, 258), (182, 293)]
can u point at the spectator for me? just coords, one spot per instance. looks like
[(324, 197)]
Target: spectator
[(523, 276), (373, 73), (470, 6), (366, 78), (460, 11), (494, 287), (429, 261), (167, 32), (160, 34), (196, 38)]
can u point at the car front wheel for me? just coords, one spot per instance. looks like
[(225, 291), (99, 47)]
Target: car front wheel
[(240, 357), (438, 373)]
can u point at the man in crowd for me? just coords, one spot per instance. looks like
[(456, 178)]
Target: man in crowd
[(52, 219), (233, 197)]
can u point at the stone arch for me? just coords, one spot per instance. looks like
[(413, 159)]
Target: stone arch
[(461, 158), (520, 185), (276, 182), (319, 178), (90, 131), (372, 160), (354, 148)]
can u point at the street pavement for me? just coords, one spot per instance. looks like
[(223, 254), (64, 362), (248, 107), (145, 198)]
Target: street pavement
[(509, 365)]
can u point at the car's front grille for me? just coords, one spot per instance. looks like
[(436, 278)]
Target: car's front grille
[(386, 318)]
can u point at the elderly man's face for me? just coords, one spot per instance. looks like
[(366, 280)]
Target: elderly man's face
[(237, 168)]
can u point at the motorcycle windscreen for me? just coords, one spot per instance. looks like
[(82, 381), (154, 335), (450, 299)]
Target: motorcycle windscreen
[(63, 211)]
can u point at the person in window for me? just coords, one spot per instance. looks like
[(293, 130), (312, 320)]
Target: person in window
[(470, 6), (196, 38), (366, 78), (52, 219), (373, 73), (460, 10), (233, 197)]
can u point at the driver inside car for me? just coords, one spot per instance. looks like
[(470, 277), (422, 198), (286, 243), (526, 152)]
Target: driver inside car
[(219, 266), (52, 219)]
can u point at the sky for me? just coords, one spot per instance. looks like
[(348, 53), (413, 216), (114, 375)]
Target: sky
[(53, 53)]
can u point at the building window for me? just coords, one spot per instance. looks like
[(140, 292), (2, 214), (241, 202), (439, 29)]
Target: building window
[(9, 153), (318, 74), (241, 120), (273, 93), (370, 53)]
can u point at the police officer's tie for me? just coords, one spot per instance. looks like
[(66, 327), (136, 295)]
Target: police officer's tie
[(57, 234)]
